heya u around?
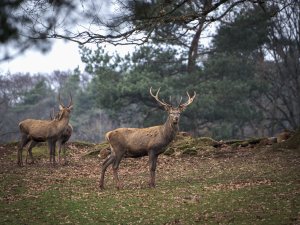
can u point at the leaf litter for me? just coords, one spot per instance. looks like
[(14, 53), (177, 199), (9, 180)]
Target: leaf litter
[(185, 183)]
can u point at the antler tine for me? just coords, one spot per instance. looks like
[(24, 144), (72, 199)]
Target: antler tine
[(163, 103), (71, 100), (189, 101), (60, 102), (180, 101), (51, 114)]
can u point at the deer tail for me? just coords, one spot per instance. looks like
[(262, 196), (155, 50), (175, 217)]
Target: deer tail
[(107, 136)]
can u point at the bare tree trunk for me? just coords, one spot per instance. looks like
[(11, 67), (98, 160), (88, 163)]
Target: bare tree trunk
[(193, 50)]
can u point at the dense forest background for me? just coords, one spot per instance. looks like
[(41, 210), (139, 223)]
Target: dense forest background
[(246, 78)]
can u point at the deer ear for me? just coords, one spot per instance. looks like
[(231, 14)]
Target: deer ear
[(70, 107), (61, 107)]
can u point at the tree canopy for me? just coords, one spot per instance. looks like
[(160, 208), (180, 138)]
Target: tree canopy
[(247, 81)]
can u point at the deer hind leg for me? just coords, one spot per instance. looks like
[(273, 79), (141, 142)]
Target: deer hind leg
[(64, 153), (109, 160), (115, 167), (59, 150), (53, 152), (152, 167), (62, 148), (29, 150), (24, 141)]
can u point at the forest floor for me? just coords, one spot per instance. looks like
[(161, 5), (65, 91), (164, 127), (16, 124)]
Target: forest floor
[(240, 185)]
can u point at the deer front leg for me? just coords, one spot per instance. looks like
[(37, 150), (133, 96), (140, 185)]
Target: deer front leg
[(51, 147), (24, 141), (152, 167), (53, 152), (20, 158), (115, 166)]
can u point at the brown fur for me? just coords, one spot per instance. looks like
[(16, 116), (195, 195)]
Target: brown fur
[(138, 142), (33, 131), (65, 136), (284, 135), (67, 133)]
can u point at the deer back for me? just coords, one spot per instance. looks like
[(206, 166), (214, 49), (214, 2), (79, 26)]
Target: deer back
[(138, 140), (37, 129)]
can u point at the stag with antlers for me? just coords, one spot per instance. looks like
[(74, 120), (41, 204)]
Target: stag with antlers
[(61, 142), (33, 131), (138, 142)]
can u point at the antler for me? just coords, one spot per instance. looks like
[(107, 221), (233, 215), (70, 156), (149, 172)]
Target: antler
[(163, 103), (71, 100), (52, 114), (60, 102), (189, 101)]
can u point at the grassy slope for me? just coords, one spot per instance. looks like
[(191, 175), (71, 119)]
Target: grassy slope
[(239, 186)]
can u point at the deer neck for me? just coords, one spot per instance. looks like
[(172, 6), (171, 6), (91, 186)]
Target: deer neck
[(170, 130), (63, 122)]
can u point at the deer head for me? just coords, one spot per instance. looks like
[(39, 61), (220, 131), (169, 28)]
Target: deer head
[(173, 112), (64, 109)]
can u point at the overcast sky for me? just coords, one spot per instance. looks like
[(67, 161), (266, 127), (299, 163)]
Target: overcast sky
[(63, 56)]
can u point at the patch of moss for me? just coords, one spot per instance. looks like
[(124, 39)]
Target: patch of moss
[(187, 145), (11, 144), (102, 145), (101, 149), (169, 151), (190, 151), (207, 141), (82, 144)]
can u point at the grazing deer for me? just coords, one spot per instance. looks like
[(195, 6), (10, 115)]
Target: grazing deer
[(65, 136), (138, 142), (44, 130)]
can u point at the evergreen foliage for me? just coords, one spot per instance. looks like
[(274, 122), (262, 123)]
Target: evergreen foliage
[(248, 84)]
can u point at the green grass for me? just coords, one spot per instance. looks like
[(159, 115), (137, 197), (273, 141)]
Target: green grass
[(260, 205), (261, 188)]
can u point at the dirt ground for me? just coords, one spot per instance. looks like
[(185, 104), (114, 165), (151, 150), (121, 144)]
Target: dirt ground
[(134, 173)]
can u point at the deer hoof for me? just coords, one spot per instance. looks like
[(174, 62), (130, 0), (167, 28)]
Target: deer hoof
[(119, 188), (101, 187), (151, 185)]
